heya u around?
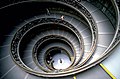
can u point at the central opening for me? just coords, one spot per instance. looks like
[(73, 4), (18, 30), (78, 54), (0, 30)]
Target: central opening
[(58, 58)]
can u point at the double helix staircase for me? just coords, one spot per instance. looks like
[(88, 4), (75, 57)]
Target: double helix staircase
[(57, 39)]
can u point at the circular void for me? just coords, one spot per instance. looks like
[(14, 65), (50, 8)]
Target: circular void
[(57, 44), (58, 58)]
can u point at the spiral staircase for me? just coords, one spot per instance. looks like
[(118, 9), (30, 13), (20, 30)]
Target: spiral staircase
[(59, 39)]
